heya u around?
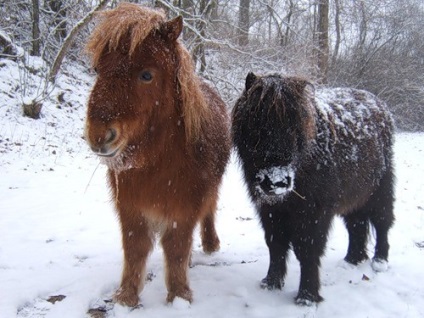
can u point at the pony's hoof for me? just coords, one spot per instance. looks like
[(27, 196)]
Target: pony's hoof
[(356, 259), (180, 303), (379, 265), (307, 299), (126, 298), (271, 284), (211, 246), (185, 293)]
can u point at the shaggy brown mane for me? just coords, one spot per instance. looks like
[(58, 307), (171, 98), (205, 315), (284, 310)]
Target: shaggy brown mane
[(115, 24), (138, 21)]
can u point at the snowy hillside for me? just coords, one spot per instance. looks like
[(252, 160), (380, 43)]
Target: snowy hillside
[(60, 249)]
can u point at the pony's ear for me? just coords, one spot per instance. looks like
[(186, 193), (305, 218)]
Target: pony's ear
[(303, 87), (250, 79), (172, 29), (309, 89)]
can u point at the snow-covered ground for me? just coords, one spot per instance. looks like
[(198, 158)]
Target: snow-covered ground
[(59, 234)]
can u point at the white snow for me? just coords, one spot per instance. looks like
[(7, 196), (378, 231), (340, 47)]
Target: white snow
[(59, 234)]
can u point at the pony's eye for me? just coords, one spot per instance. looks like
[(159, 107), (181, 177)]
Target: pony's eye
[(146, 76)]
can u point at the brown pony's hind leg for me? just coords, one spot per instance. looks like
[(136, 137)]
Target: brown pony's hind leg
[(137, 242), (176, 242), (210, 240)]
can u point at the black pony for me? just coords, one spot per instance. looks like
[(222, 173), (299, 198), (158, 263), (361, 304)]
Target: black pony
[(308, 154)]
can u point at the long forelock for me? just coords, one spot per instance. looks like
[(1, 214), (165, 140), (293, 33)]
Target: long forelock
[(126, 19), (278, 93), (271, 96)]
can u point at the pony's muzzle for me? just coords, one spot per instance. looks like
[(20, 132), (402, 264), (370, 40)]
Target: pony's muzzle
[(270, 188), (275, 181), (106, 146)]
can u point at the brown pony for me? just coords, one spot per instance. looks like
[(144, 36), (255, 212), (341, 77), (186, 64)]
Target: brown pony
[(163, 134)]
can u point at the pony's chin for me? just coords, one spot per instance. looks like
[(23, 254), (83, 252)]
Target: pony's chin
[(111, 154), (271, 197), (124, 159), (118, 163), (116, 160)]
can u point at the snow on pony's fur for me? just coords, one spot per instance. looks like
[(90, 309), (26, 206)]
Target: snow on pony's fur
[(163, 134), (308, 154)]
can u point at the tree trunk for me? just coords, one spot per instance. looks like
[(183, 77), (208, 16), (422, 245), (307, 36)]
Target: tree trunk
[(35, 28), (338, 32), (322, 50), (199, 53), (244, 22), (285, 39), (214, 11)]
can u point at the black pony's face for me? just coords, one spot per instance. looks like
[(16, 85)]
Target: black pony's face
[(267, 135)]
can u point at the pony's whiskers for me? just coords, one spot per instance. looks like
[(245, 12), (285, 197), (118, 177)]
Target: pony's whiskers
[(91, 178)]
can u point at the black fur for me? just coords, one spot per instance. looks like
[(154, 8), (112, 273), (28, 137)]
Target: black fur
[(308, 154)]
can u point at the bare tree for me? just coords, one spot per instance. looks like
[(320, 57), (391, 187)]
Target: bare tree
[(58, 11), (244, 22), (322, 48), (33, 107), (35, 28), (338, 31), (69, 39)]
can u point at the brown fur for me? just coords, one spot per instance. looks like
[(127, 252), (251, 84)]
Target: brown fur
[(165, 142)]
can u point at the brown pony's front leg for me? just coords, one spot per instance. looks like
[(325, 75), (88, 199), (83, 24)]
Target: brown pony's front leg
[(176, 242), (137, 242)]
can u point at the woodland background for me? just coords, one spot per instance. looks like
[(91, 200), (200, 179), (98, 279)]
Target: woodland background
[(377, 45)]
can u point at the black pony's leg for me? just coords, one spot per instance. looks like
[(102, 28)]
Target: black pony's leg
[(357, 227), (309, 241), (379, 211), (278, 244), (382, 218)]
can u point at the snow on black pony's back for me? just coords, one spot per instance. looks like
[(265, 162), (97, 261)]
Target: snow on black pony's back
[(308, 154)]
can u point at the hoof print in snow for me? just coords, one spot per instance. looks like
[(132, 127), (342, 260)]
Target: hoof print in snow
[(420, 244), (97, 313), (100, 308), (54, 299), (150, 276)]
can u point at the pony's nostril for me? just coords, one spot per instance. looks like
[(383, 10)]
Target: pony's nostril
[(110, 135)]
